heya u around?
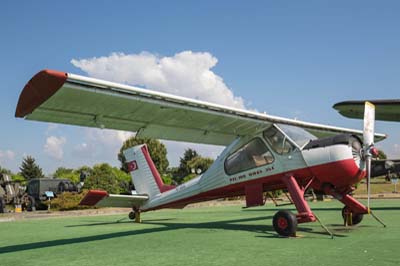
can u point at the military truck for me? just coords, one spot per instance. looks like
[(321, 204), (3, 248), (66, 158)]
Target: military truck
[(38, 188), (32, 196)]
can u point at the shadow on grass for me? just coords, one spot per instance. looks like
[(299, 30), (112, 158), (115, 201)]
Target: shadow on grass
[(267, 231), (321, 209)]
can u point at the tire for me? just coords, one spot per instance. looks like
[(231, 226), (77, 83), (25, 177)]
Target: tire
[(285, 223), (132, 215), (2, 205), (62, 187), (356, 217), (32, 204)]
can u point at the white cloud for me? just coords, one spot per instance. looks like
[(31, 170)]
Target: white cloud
[(101, 143), (6, 155), (50, 128), (107, 137), (54, 147), (8, 160), (186, 74)]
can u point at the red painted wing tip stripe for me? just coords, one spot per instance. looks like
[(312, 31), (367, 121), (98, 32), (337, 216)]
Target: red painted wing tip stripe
[(39, 88), (93, 197)]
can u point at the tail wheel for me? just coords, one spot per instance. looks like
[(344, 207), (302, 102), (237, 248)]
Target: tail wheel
[(132, 215), (285, 223), (356, 218)]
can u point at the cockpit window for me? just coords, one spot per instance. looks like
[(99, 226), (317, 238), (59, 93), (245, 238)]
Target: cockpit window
[(300, 136), (252, 155), (278, 141)]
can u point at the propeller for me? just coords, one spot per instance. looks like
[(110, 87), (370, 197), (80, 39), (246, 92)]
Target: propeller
[(369, 150)]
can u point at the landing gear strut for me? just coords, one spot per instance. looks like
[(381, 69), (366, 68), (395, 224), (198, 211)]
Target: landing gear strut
[(285, 222), (135, 215)]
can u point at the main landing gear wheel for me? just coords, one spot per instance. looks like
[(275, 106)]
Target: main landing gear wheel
[(356, 218), (132, 215), (285, 223)]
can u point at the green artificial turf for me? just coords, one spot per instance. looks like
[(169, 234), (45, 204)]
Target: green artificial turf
[(203, 236)]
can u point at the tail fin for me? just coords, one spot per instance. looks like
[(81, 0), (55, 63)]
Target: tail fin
[(144, 173)]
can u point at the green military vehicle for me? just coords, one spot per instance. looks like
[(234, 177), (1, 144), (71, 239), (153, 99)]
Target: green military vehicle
[(32, 196), (41, 188)]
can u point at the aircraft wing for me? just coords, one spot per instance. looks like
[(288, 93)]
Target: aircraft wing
[(385, 110), (101, 198), (60, 97)]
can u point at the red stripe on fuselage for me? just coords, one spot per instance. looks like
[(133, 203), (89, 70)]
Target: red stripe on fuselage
[(340, 173)]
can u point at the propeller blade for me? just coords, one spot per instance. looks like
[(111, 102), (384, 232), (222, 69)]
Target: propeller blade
[(369, 124), (368, 135)]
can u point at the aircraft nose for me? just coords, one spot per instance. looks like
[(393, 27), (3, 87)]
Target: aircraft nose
[(336, 160)]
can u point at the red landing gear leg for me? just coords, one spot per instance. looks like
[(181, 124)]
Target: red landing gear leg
[(353, 211), (304, 212), (285, 222)]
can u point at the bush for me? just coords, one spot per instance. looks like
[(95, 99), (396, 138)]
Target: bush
[(68, 201)]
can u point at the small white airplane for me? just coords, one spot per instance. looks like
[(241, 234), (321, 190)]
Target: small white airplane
[(263, 152)]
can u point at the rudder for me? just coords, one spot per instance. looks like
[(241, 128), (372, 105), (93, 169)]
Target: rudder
[(145, 177)]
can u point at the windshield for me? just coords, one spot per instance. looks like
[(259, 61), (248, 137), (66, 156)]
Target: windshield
[(278, 141), (297, 134)]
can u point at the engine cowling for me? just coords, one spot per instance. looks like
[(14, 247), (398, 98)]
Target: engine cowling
[(336, 160)]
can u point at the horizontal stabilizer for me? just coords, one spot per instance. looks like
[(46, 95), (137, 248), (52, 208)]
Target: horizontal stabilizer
[(92, 197), (103, 199)]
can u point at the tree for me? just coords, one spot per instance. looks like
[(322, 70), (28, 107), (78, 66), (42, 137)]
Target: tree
[(124, 180), (157, 151), (191, 164), (103, 177), (18, 178), (67, 173), (5, 171), (200, 164), (29, 168), (184, 169), (197, 165), (381, 155)]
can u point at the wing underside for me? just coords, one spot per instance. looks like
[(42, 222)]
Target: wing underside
[(60, 97)]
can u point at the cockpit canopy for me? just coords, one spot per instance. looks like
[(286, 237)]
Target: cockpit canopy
[(282, 139)]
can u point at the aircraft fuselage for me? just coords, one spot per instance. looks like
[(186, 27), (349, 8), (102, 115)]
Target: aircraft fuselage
[(254, 164)]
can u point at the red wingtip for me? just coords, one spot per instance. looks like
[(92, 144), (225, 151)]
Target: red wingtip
[(40, 88)]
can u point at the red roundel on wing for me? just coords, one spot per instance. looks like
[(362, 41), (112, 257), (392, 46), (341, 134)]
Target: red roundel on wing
[(132, 166)]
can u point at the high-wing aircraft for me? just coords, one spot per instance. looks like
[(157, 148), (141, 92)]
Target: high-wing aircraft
[(263, 152)]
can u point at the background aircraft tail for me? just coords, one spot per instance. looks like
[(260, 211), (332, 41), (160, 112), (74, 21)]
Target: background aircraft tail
[(145, 176)]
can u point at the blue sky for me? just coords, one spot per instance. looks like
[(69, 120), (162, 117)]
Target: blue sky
[(288, 58)]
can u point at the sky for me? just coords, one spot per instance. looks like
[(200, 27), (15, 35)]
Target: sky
[(293, 59)]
